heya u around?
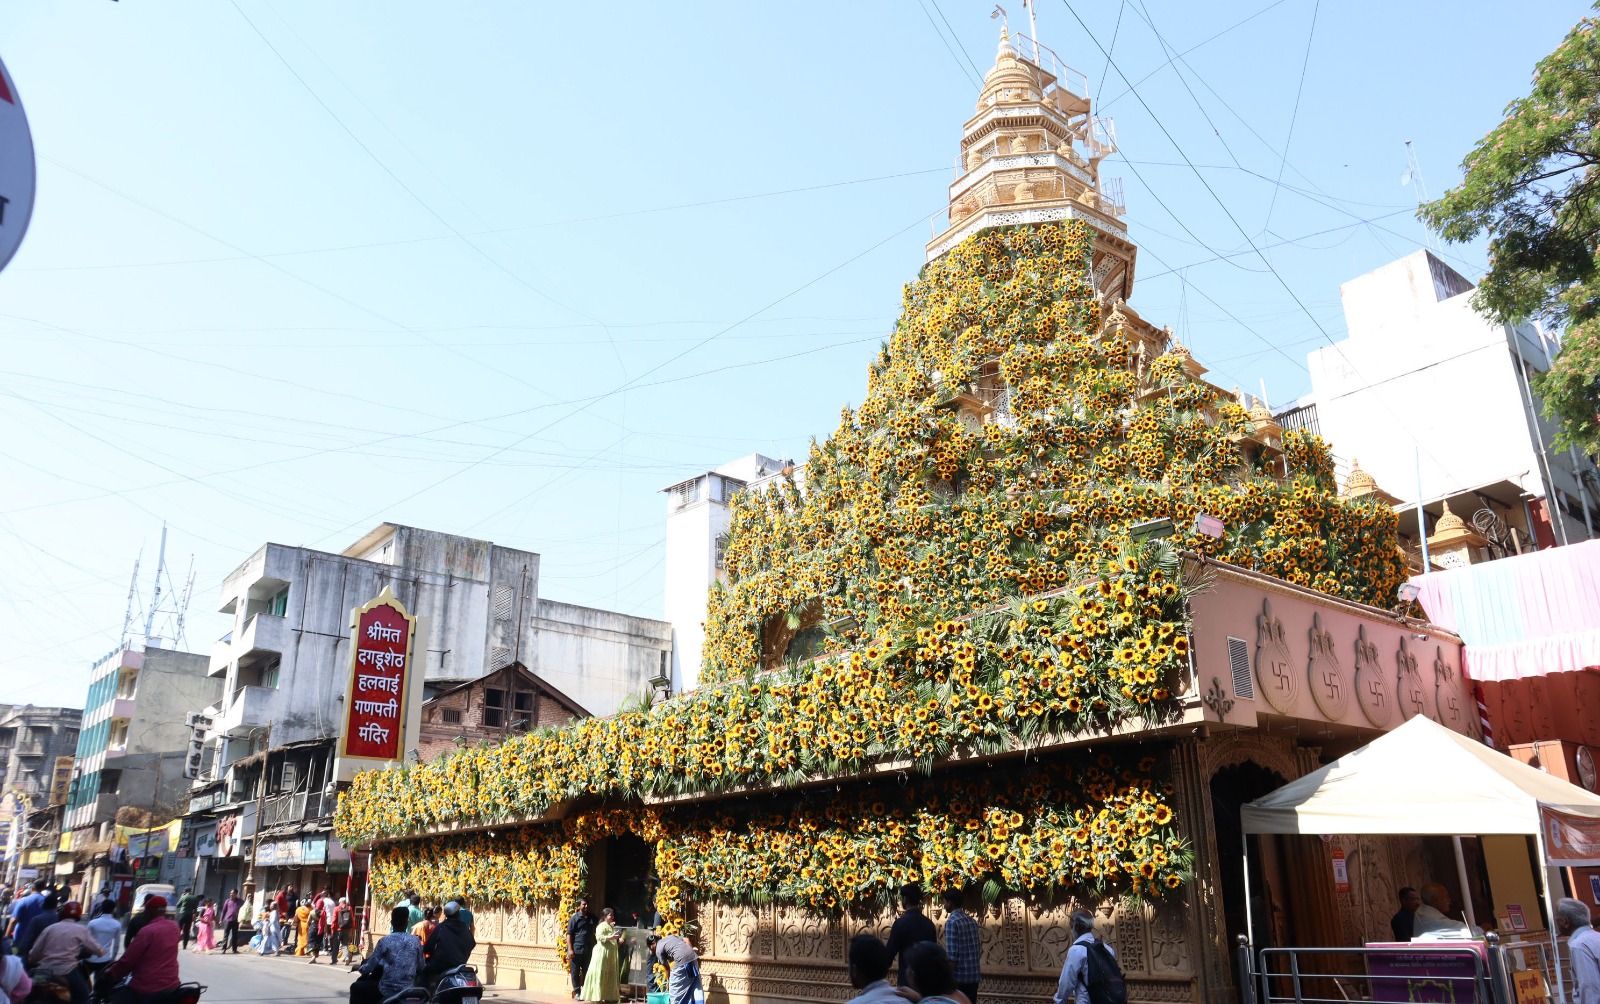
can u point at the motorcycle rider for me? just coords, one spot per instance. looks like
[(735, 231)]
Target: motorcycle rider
[(450, 945), (151, 958), (60, 949), (397, 957)]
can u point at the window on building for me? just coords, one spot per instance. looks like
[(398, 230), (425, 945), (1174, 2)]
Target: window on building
[(110, 781), (494, 708), (522, 701), (278, 605), (450, 716)]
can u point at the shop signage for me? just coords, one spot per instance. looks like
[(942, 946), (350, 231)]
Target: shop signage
[(1529, 984), (1341, 871), (381, 651), (267, 855), (17, 169), (205, 843), (27, 873), (1515, 916), (1570, 841), (205, 803), (314, 850), (1423, 977), (292, 852)]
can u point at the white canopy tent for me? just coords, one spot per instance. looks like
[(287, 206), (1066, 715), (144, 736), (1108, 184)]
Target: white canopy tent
[(1423, 779), (1420, 779)]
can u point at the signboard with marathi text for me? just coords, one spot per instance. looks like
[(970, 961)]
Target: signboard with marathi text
[(380, 696), (1570, 841), (17, 169)]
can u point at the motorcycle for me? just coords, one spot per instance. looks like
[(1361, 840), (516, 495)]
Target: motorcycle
[(184, 993), (457, 985)]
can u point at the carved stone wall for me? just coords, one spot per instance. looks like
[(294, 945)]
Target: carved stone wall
[(781, 953)]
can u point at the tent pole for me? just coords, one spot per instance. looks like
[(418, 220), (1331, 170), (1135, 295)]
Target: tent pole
[(1550, 910), (1249, 920), (1461, 874)]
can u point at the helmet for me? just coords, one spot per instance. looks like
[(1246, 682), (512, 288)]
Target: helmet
[(71, 910)]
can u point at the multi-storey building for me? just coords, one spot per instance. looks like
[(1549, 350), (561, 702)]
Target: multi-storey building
[(284, 665), (1428, 398), (131, 750), (35, 744)]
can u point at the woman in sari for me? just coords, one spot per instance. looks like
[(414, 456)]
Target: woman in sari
[(302, 920), (602, 983), (205, 938)]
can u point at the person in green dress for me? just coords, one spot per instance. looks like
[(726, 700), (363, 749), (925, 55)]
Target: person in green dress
[(603, 981)]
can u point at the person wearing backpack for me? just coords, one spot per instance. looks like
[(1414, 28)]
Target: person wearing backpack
[(1091, 974), (344, 923)]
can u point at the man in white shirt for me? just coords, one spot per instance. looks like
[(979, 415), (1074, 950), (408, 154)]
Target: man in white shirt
[(1583, 942), (1433, 920), (107, 930), (869, 971)]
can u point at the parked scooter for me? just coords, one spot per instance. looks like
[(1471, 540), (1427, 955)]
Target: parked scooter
[(457, 985)]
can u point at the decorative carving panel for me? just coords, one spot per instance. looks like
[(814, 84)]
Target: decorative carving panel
[(806, 937), (1169, 940), (1049, 937), (1449, 702), (735, 933), (1275, 677), (491, 923), (548, 926), (1408, 683), (1373, 692), (518, 926), (1330, 688)]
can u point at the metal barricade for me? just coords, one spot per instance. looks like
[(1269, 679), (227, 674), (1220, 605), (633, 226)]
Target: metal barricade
[(1553, 964), (1426, 974)]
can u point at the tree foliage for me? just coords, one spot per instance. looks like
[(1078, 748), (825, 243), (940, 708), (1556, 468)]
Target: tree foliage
[(1532, 185)]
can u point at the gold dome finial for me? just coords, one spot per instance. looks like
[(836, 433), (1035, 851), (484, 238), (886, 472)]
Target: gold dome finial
[(1359, 481), (1448, 521)]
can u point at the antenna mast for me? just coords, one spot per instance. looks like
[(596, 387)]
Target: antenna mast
[(155, 596), (1414, 173), (133, 590)]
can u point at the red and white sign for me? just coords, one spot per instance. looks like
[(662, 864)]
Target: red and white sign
[(1570, 841), (1341, 871), (382, 635), (17, 169)]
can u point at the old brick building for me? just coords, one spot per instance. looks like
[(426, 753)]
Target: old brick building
[(504, 703)]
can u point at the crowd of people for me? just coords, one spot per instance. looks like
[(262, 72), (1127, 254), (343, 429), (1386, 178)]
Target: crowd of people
[(423, 943), (47, 937), (306, 926)]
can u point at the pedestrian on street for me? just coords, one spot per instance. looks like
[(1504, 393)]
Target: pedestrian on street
[(678, 953), (416, 915), (929, 976), (344, 923), (580, 943), (24, 908), (466, 914), (205, 937), (228, 916), (1077, 984), (303, 916), (1574, 921), (909, 928), (188, 905), (271, 924), (869, 971), (1403, 923), (963, 944)]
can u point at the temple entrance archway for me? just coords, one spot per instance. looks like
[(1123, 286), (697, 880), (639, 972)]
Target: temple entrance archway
[(1231, 787), (622, 876)]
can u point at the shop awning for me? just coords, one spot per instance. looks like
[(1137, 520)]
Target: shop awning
[(1530, 615), (1424, 779)]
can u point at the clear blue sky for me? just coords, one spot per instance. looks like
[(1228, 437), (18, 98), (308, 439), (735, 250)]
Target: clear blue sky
[(298, 267)]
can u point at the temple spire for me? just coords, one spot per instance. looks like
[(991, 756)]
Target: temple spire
[(1031, 154)]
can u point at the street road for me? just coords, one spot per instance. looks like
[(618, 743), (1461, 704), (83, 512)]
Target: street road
[(284, 979)]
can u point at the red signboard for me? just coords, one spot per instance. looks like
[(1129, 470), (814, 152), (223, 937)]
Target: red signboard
[(380, 663)]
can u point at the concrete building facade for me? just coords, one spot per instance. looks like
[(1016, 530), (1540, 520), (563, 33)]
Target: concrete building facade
[(35, 744), (132, 745), (1429, 397), (698, 515)]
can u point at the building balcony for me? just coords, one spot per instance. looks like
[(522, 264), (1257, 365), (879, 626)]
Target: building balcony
[(123, 707), (295, 808), (247, 708)]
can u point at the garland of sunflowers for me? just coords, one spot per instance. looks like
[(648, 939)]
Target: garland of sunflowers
[(977, 592)]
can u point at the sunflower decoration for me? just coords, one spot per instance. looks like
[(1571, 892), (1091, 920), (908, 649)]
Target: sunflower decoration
[(951, 574)]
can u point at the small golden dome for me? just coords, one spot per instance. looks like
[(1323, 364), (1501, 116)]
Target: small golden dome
[(1359, 480), (1448, 522), (1009, 77)]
